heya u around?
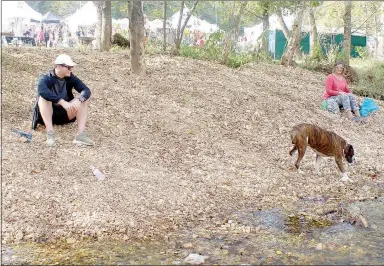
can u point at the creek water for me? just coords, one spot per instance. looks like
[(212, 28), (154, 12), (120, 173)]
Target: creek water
[(254, 237)]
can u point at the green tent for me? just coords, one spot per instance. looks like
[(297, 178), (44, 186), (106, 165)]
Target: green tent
[(278, 43), (329, 40)]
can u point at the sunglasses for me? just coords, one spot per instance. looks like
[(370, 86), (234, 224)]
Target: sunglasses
[(69, 67)]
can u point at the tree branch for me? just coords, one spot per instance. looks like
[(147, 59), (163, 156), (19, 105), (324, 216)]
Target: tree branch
[(252, 13), (282, 23), (377, 10), (188, 17)]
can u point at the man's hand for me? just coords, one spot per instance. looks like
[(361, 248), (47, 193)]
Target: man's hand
[(75, 104), (66, 105), (69, 107)]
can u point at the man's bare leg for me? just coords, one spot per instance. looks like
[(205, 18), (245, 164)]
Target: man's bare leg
[(81, 116), (82, 113), (46, 111)]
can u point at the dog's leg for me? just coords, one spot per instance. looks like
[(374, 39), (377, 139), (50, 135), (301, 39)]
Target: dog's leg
[(293, 154), (293, 150), (301, 150), (345, 176), (317, 164)]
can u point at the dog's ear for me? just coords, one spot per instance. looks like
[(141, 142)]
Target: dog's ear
[(349, 150)]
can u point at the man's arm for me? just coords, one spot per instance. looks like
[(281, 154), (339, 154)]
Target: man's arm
[(80, 87), (45, 92)]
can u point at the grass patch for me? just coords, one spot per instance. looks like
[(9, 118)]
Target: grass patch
[(371, 78), (235, 60)]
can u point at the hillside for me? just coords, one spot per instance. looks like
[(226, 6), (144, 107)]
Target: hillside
[(187, 144)]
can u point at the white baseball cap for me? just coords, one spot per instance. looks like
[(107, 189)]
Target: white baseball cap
[(64, 59)]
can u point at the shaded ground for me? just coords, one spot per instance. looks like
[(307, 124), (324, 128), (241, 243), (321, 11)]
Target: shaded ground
[(186, 145)]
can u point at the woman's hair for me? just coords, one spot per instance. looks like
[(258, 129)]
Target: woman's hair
[(336, 64)]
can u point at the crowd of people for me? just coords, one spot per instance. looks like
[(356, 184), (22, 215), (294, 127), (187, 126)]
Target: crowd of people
[(48, 35), (55, 35)]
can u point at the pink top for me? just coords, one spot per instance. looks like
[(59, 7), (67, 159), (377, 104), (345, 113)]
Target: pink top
[(333, 86)]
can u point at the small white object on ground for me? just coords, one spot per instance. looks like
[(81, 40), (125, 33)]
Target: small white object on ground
[(96, 172), (194, 258)]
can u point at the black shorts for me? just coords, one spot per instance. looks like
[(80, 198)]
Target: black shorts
[(59, 116)]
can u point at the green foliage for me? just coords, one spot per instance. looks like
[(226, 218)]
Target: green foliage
[(316, 53), (61, 8), (362, 51), (120, 40), (262, 56), (215, 54), (236, 60), (154, 47), (154, 9), (119, 9), (371, 78), (215, 40), (333, 54)]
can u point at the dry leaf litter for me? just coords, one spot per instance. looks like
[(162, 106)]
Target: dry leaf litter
[(187, 144)]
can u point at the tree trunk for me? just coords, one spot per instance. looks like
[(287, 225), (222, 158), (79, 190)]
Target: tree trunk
[(294, 40), (180, 38), (284, 27), (129, 17), (376, 37), (180, 31), (106, 26), (380, 39), (231, 37), (265, 40), (99, 6), (176, 51), (286, 32), (313, 42), (136, 29), (347, 31), (165, 26), (129, 10)]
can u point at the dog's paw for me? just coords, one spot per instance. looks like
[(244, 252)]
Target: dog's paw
[(346, 178)]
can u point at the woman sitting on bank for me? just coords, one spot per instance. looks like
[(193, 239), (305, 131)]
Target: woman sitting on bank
[(337, 93)]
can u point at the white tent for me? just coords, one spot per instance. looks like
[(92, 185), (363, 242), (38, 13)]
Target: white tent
[(155, 24), (194, 23), (120, 23), (254, 32), (15, 14), (85, 16)]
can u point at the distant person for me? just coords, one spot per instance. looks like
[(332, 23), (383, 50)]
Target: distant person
[(46, 36), (56, 103), (337, 93), (200, 42), (41, 35)]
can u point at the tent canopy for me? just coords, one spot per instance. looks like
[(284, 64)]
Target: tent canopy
[(51, 17), (18, 9), (194, 23), (85, 16), (16, 14)]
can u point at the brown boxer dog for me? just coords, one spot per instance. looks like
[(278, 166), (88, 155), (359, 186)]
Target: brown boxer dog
[(324, 143)]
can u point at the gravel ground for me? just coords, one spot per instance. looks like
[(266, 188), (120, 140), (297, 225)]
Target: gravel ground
[(184, 145)]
